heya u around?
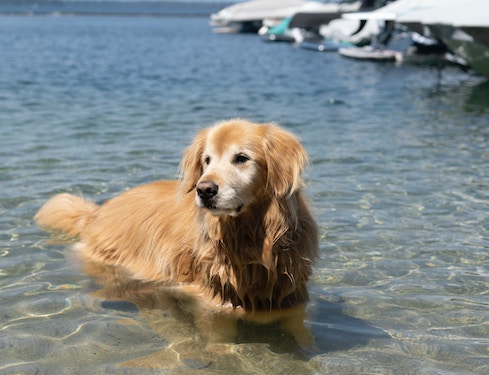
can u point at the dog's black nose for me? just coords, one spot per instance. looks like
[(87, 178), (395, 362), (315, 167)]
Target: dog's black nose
[(206, 190)]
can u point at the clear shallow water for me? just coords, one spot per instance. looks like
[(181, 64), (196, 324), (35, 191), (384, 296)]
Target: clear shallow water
[(398, 180)]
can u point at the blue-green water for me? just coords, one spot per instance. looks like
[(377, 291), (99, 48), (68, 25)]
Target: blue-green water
[(399, 182)]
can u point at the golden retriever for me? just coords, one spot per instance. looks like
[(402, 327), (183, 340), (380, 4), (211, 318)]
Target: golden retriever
[(235, 227)]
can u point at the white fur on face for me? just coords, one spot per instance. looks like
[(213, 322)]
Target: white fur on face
[(235, 172)]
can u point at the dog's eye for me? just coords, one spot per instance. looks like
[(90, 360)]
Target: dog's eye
[(241, 159), (207, 160)]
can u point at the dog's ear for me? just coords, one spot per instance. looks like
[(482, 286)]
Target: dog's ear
[(285, 158), (191, 167)]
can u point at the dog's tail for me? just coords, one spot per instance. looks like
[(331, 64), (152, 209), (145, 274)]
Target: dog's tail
[(65, 212)]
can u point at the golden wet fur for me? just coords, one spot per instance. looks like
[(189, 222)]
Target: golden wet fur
[(235, 227)]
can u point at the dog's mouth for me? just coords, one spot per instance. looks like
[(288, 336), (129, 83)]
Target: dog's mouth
[(220, 211)]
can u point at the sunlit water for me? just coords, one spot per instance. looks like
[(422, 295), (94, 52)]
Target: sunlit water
[(399, 182)]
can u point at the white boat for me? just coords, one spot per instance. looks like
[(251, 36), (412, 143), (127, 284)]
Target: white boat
[(305, 24), (313, 14), (370, 53), (249, 15), (462, 25)]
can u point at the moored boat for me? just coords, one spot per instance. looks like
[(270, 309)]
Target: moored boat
[(462, 26), (249, 16), (370, 53)]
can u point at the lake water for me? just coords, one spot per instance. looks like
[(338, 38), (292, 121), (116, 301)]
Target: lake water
[(399, 182)]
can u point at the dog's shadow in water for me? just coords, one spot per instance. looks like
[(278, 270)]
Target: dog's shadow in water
[(196, 334), (335, 330)]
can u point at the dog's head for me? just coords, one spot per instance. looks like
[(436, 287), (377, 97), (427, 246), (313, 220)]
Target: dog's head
[(233, 163)]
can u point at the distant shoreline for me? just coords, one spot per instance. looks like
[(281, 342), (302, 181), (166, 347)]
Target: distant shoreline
[(110, 8)]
